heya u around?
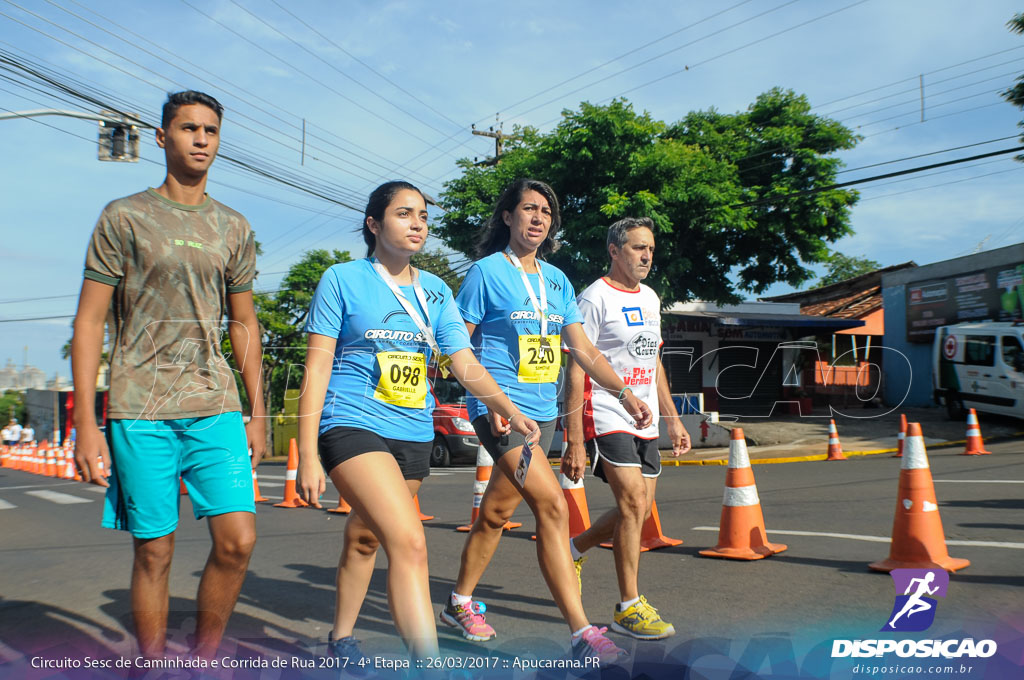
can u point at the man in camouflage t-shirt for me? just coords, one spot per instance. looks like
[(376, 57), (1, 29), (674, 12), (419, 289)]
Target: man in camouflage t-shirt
[(166, 264)]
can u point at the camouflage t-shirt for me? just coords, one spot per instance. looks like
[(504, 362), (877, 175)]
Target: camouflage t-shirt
[(172, 267)]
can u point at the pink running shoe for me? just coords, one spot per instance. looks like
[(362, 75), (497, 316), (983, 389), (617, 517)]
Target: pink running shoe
[(594, 643), (465, 617)]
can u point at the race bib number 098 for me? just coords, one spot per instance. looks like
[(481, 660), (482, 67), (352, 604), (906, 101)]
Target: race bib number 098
[(539, 358), (403, 379)]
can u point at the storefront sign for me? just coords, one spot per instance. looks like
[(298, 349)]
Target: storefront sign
[(993, 294)]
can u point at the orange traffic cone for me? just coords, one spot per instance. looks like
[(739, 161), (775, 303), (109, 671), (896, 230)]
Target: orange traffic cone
[(70, 469), (78, 473), (901, 436), (423, 517), (579, 513), (291, 496), (835, 449), (918, 541), (51, 459), (343, 508), (651, 537), (4, 456), (181, 487), (36, 464), (975, 445), (484, 463), (741, 533), (257, 496)]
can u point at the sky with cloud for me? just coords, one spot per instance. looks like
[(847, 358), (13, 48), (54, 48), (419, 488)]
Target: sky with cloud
[(384, 90)]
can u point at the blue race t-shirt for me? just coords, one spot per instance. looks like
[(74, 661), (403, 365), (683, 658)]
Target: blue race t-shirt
[(354, 305), (493, 297)]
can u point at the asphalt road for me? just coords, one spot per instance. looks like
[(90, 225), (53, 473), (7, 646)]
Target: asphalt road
[(64, 580)]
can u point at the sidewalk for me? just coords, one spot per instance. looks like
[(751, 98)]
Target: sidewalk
[(787, 439)]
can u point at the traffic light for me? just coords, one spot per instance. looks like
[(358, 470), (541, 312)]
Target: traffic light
[(118, 141)]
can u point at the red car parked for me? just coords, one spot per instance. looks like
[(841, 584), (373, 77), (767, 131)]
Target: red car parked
[(454, 438)]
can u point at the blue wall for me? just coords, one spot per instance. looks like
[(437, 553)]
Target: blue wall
[(915, 380), (899, 376)]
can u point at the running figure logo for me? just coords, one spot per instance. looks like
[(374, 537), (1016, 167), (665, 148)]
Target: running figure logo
[(914, 610)]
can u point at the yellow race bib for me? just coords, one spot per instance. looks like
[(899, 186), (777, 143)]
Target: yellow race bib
[(539, 358), (403, 379)]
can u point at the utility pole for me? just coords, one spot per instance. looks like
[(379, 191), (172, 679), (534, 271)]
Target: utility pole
[(499, 141)]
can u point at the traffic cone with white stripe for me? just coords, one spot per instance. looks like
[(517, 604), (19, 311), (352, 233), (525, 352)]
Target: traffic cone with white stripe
[(70, 469), (835, 449), (975, 444), (741, 533), (291, 496), (901, 436), (257, 496), (576, 499), (918, 541), (51, 459), (484, 463)]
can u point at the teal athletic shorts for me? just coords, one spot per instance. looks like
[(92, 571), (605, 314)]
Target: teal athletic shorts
[(210, 454)]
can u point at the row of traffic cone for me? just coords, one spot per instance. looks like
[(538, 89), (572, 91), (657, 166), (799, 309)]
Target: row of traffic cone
[(57, 461), (917, 540), (975, 445), (291, 494)]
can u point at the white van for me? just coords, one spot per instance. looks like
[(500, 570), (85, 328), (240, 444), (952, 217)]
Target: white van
[(980, 366)]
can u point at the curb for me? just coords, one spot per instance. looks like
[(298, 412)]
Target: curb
[(823, 456)]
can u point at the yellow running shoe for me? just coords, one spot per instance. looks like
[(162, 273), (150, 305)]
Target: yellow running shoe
[(579, 571), (641, 620)]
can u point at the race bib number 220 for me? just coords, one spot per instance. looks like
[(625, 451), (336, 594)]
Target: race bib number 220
[(539, 358)]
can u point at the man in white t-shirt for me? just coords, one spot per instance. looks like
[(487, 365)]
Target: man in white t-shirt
[(5, 436), (28, 434), (622, 317), (14, 430)]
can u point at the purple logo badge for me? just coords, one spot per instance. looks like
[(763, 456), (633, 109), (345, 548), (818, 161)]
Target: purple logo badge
[(916, 590)]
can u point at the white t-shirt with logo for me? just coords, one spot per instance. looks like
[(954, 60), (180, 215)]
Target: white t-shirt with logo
[(625, 326)]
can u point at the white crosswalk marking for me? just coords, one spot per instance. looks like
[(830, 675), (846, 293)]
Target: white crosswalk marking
[(4, 505), (93, 488), (270, 484), (58, 497)]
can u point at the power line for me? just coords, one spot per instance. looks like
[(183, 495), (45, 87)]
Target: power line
[(927, 73), (633, 51), (930, 153), (195, 67), (817, 190), (101, 100), (933, 186), (307, 75)]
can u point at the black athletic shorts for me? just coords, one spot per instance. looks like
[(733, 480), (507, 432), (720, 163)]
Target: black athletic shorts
[(624, 450), (339, 444), (499, 446)]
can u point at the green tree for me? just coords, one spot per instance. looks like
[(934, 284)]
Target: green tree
[(842, 267), (12, 405), (282, 315), (719, 188), (1015, 95), (436, 262)]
